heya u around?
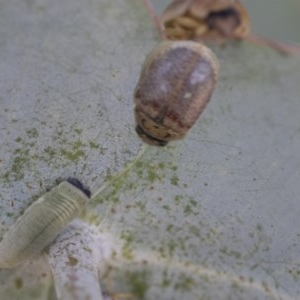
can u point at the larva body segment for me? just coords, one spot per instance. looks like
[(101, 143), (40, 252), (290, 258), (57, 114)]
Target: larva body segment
[(41, 223)]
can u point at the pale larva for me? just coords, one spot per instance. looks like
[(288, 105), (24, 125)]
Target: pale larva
[(42, 222)]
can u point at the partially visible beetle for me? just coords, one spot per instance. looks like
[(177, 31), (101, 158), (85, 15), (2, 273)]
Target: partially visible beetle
[(175, 84), (214, 20), (41, 222)]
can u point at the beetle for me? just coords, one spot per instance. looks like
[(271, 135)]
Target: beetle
[(176, 82), (213, 20)]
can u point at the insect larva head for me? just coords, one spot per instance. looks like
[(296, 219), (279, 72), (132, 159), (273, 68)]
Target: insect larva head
[(214, 20), (176, 83), (80, 186)]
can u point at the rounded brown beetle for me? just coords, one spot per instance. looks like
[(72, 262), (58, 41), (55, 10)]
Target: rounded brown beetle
[(176, 82), (213, 20)]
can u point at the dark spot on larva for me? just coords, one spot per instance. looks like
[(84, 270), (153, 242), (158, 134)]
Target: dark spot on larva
[(80, 186)]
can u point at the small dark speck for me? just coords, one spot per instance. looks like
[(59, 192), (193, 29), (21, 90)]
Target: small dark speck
[(73, 261), (18, 283), (205, 183)]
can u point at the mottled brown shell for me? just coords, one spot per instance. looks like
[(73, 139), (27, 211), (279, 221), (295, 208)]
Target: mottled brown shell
[(176, 83), (212, 20)]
